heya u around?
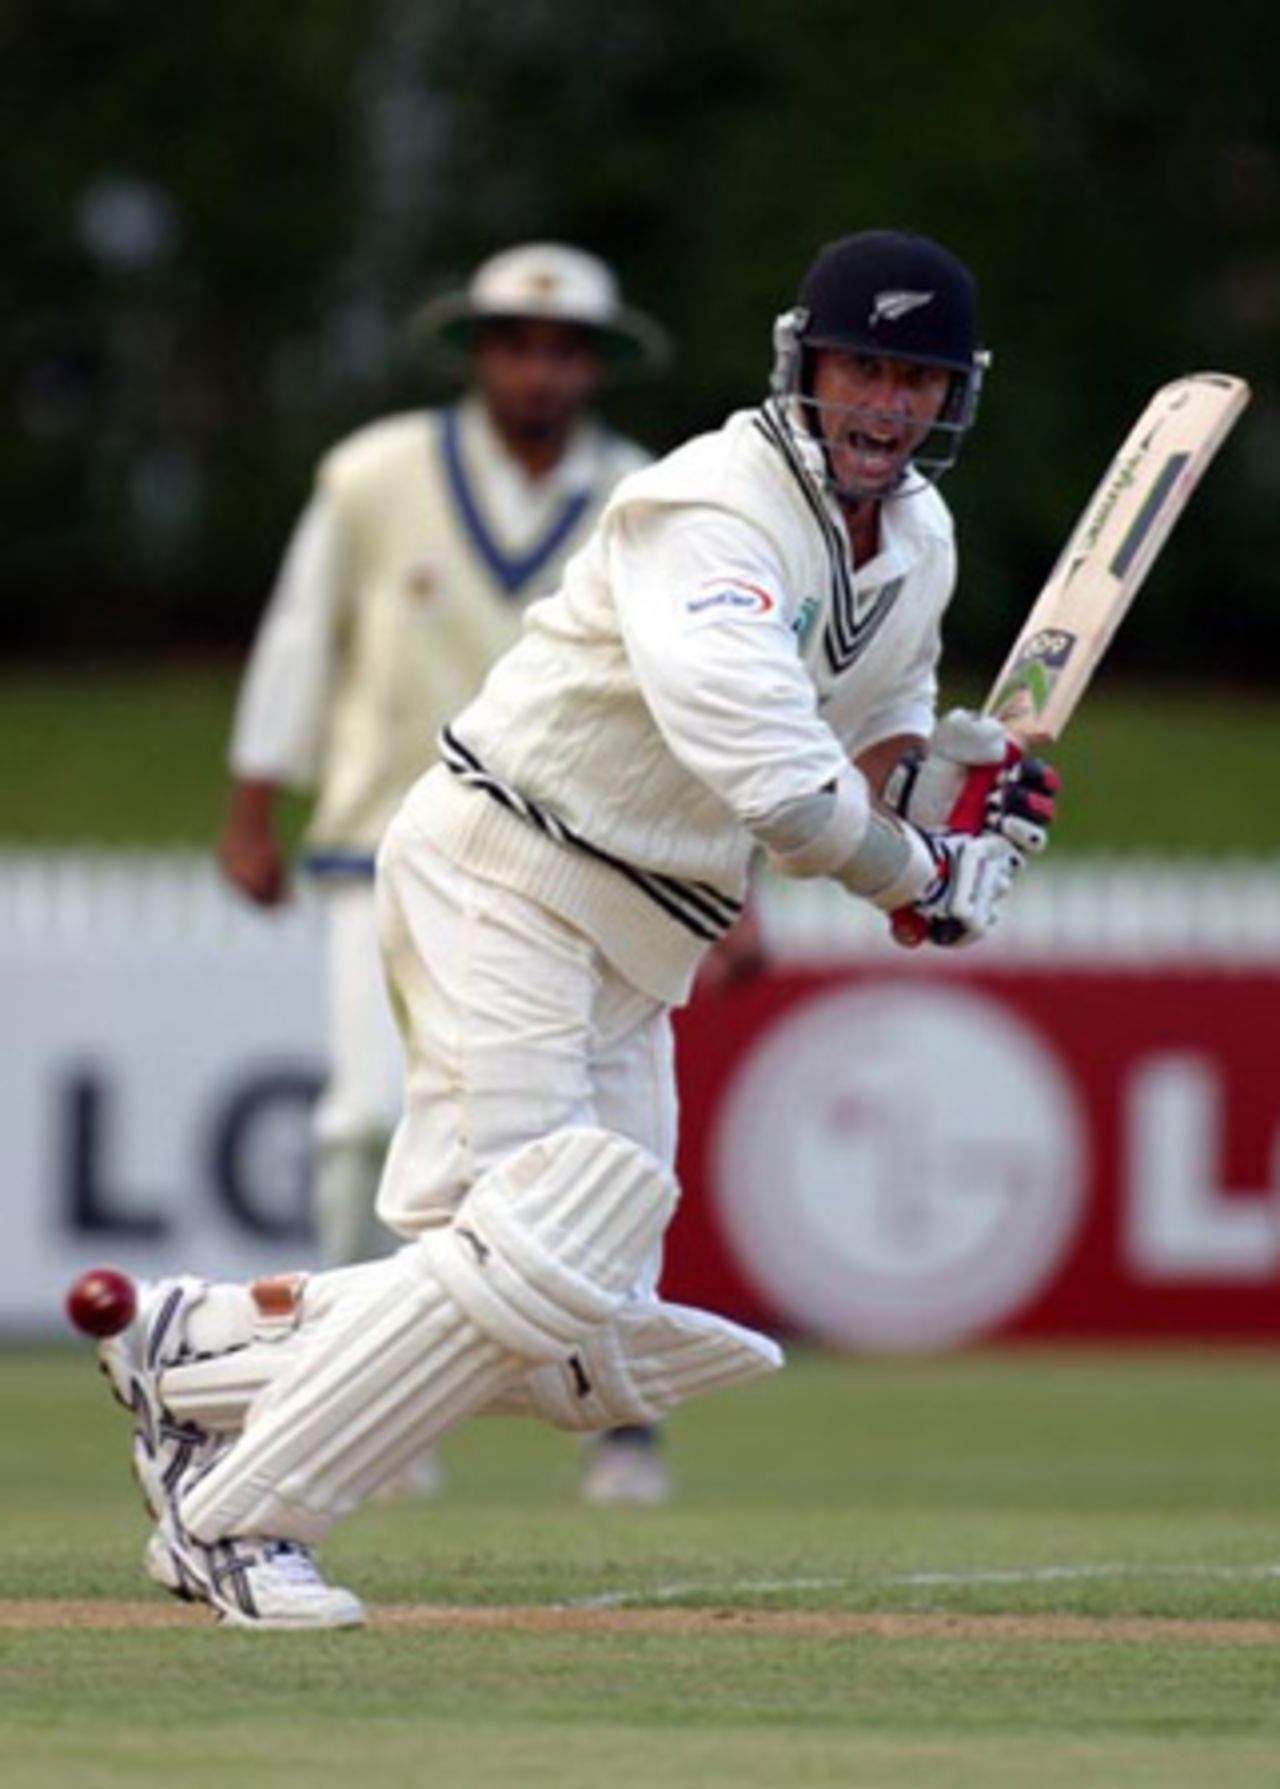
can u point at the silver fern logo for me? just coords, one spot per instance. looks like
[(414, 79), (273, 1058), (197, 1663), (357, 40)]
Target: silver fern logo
[(891, 307)]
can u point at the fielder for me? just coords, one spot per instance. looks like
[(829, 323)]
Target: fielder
[(406, 577), (743, 657)]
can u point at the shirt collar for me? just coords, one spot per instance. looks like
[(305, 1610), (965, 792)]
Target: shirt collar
[(574, 472)]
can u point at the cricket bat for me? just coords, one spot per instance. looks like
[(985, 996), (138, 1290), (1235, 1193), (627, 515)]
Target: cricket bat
[(1113, 546)]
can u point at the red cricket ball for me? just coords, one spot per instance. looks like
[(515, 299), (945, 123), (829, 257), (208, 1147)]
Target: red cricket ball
[(102, 1301)]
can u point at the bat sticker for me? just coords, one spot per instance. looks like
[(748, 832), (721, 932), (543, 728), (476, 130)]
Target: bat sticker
[(1027, 688), (1170, 473)]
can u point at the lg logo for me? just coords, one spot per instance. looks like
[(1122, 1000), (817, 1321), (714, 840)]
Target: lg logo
[(250, 1156), (900, 1167)]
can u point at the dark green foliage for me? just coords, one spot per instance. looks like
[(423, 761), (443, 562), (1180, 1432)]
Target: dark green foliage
[(305, 173)]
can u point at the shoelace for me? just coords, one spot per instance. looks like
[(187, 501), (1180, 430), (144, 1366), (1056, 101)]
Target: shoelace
[(293, 1562)]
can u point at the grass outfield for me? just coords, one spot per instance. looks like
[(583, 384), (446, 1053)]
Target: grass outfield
[(125, 757), (992, 1570)]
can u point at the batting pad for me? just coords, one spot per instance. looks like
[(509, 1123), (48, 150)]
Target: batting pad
[(262, 1333), (542, 1253), (216, 1394), (652, 1357)]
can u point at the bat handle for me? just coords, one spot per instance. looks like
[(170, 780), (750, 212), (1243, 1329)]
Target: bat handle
[(909, 928), (970, 811)]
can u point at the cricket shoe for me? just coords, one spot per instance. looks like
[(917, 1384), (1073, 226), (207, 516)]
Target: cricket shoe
[(250, 1582), (163, 1566), (165, 1453)]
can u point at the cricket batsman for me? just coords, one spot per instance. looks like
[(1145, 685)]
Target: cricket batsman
[(742, 658)]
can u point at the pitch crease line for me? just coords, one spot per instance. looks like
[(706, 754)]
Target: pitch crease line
[(1047, 1574)]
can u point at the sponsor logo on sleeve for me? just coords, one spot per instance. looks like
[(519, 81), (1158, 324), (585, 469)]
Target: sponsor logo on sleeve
[(805, 616), (728, 599)]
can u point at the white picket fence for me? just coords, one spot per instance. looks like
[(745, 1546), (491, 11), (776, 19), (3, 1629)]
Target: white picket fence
[(142, 901), (1083, 911), (1073, 910)]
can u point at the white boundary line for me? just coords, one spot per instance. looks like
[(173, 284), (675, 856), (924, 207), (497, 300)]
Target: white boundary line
[(1045, 1574)]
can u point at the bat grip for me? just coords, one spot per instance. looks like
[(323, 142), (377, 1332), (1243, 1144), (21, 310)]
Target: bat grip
[(909, 927), (970, 811)]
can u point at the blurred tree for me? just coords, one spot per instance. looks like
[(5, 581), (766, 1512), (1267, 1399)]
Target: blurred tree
[(183, 184), (223, 217)]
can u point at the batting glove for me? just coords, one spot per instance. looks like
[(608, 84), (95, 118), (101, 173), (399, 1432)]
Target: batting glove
[(975, 872), (925, 787), (1022, 804)]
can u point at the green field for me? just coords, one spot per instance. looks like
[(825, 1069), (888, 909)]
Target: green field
[(1099, 1531), (136, 757)]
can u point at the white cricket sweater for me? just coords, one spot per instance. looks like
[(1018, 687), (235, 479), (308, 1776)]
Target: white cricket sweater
[(405, 580), (710, 655)]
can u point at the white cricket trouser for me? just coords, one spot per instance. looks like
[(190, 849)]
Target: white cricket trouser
[(540, 1090), (362, 1094), (514, 1025)]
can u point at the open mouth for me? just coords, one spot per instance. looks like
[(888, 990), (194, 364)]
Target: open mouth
[(876, 454)]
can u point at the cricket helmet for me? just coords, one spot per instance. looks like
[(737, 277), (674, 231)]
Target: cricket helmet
[(895, 295), (547, 282)]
